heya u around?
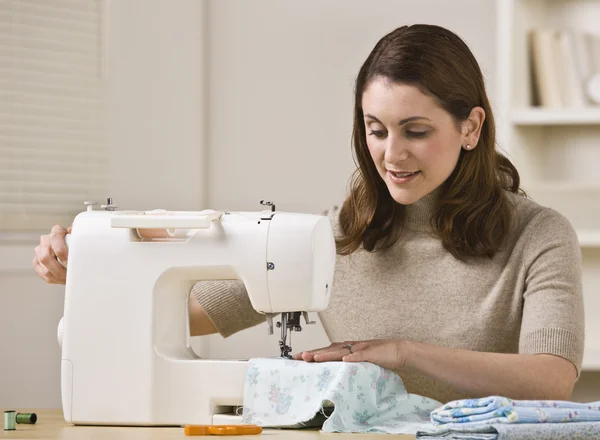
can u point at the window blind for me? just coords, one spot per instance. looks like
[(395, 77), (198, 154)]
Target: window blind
[(53, 153)]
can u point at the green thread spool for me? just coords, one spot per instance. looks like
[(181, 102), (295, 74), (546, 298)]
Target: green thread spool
[(9, 420), (26, 418)]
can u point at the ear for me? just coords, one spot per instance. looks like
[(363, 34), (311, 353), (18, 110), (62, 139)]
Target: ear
[(471, 128)]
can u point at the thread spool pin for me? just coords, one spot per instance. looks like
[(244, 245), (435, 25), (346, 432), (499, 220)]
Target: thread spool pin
[(109, 205), (89, 204)]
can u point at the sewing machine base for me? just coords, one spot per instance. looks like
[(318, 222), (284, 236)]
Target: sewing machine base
[(217, 419), (164, 407)]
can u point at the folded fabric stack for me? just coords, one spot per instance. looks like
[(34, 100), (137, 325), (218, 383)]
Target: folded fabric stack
[(500, 418)]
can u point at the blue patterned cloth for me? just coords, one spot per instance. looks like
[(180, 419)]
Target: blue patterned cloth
[(500, 418), (348, 397), (515, 431), (496, 409)]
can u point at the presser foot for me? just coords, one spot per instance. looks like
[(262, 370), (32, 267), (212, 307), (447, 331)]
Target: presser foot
[(290, 321), (285, 350)]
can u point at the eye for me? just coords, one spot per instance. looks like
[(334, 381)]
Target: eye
[(377, 133), (416, 134)]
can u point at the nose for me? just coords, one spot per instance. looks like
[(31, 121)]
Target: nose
[(396, 150)]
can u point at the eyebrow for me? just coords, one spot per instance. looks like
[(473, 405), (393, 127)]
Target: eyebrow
[(403, 121)]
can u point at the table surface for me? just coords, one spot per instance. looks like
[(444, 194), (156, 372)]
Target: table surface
[(51, 425)]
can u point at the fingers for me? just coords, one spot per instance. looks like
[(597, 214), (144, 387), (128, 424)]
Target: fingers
[(47, 267), (384, 353), (44, 260), (333, 355), (58, 244), (334, 352), (43, 272), (309, 354), (358, 356)]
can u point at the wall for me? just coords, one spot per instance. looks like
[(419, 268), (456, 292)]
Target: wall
[(281, 95), (29, 315), (154, 67), (156, 103)]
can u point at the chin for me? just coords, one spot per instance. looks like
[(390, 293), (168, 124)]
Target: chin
[(406, 196), (406, 200)]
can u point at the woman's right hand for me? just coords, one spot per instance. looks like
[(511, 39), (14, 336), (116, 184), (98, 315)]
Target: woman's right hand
[(51, 247)]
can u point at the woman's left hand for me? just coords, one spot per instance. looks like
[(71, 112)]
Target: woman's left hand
[(387, 353)]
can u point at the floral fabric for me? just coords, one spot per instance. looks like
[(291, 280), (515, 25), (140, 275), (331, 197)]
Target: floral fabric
[(361, 397)]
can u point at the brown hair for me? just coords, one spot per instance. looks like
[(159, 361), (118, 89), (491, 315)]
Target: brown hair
[(473, 213)]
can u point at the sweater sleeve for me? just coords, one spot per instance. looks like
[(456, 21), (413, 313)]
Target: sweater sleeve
[(227, 305), (553, 311)]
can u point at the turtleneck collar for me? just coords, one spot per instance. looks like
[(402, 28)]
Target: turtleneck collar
[(418, 215)]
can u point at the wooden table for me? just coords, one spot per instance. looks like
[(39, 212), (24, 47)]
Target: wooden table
[(51, 425)]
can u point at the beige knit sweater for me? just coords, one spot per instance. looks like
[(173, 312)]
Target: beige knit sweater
[(527, 299)]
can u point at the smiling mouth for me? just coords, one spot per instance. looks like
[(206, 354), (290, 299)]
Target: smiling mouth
[(404, 174)]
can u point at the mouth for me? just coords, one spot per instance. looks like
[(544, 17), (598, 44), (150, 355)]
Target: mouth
[(403, 176)]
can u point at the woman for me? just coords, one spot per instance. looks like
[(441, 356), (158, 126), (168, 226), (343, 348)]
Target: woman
[(445, 273)]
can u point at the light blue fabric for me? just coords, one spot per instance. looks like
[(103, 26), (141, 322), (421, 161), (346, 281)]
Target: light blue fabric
[(515, 431), (365, 397), (497, 409), (500, 418)]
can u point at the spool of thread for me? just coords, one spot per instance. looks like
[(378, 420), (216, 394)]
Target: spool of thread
[(10, 420), (26, 418)]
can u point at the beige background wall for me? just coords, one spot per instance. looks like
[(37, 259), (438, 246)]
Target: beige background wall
[(154, 67), (274, 123), (281, 95)]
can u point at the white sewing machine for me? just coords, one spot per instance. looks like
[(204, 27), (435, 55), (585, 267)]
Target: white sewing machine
[(126, 356)]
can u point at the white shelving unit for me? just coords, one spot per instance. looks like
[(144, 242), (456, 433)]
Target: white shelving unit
[(589, 238), (540, 117), (591, 360), (556, 150)]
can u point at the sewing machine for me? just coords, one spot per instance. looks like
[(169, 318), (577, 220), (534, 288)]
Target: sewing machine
[(126, 354)]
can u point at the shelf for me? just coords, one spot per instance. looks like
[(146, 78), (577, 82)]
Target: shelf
[(561, 187), (568, 116), (589, 238), (591, 360), (579, 202)]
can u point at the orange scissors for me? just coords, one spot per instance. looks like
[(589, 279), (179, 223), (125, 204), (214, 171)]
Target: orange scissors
[(222, 429)]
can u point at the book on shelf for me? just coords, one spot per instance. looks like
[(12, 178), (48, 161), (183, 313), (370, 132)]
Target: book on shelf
[(565, 68)]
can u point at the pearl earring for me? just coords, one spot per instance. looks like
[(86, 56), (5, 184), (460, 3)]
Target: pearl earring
[(468, 147)]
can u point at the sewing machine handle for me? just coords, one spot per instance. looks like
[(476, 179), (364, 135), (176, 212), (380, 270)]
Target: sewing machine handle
[(166, 220)]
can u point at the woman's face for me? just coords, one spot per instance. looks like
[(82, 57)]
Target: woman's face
[(414, 143)]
